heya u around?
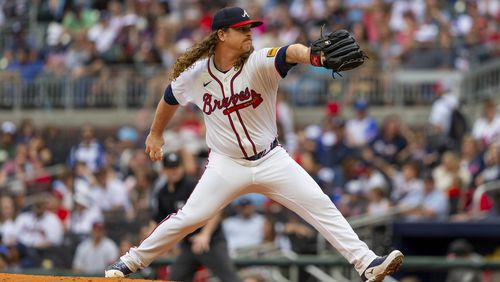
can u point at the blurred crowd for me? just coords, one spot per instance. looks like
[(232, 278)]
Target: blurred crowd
[(155, 31), (83, 39), (80, 198)]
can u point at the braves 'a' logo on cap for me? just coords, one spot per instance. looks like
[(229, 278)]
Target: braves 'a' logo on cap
[(245, 14)]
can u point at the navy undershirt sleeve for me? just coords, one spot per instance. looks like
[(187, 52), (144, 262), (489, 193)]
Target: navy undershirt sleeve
[(169, 97), (280, 62)]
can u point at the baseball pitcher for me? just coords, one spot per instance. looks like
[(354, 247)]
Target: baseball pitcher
[(236, 87)]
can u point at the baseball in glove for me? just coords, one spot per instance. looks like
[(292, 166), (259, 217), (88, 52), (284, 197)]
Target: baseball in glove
[(337, 51)]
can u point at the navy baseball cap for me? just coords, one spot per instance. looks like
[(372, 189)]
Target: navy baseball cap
[(171, 159), (232, 17)]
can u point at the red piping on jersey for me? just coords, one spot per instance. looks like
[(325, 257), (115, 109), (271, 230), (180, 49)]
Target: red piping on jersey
[(228, 116), (238, 113), (246, 132)]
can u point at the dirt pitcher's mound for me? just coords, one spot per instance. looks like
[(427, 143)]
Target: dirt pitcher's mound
[(5, 277)]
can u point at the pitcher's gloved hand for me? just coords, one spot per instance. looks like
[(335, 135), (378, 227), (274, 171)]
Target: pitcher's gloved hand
[(337, 51)]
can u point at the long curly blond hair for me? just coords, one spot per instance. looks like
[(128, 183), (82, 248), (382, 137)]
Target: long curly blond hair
[(203, 49)]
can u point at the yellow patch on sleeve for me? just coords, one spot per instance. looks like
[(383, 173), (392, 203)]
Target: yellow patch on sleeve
[(272, 52)]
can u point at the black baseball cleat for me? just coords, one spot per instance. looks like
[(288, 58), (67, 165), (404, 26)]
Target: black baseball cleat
[(383, 266), (117, 269)]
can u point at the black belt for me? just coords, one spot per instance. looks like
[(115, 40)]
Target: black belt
[(263, 153)]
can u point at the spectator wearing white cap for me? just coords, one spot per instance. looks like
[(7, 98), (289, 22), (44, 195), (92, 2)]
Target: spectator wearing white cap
[(83, 215), (8, 127)]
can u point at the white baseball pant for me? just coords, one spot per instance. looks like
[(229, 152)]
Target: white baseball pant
[(278, 177)]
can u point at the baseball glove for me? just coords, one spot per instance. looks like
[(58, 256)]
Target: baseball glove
[(337, 51)]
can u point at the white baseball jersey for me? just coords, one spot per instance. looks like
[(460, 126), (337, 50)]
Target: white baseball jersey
[(239, 106)]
